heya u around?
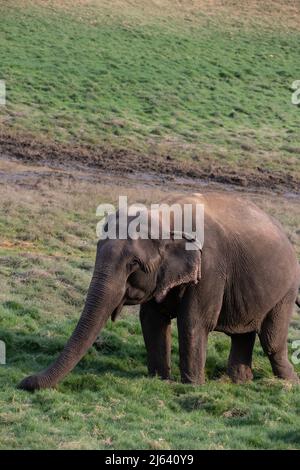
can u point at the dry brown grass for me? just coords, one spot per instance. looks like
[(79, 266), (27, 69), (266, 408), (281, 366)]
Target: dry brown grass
[(49, 194), (267, 13)]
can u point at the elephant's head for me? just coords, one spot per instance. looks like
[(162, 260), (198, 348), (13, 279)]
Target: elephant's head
[(126, 272)]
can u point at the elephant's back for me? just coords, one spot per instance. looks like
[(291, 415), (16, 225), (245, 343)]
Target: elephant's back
[(240, 216), (246, 224), (261, 261), (239, 219)]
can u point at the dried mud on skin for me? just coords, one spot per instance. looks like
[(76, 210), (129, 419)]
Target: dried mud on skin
[(123, 161)]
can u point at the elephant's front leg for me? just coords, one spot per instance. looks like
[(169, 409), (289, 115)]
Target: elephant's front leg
[(197, 316), (192, 338), (240, 358), (157, 335)]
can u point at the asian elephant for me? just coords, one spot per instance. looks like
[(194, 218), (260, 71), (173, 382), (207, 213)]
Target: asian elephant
[(244, 281)]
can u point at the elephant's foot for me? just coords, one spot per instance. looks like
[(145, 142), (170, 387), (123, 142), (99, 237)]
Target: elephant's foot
[(284, 370), (240, 373), (192, 379), (163, 374), (293, 378)]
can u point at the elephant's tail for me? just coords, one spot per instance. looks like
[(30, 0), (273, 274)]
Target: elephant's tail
[(298, 298)]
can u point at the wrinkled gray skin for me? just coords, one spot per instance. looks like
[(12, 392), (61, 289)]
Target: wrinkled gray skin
[(244, 282)]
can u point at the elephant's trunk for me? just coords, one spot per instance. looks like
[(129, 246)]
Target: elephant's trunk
[(93, 318)]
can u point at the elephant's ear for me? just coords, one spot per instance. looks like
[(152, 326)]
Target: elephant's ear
[(179, 266)]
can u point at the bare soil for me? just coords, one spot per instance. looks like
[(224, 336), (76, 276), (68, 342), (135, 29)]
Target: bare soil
[(126, 164)]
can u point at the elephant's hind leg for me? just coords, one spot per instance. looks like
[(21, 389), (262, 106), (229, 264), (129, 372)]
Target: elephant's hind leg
[(240, 357), (273, 338), (157, 335)]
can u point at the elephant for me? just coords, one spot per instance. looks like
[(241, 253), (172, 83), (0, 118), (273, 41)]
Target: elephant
[(243, 281)]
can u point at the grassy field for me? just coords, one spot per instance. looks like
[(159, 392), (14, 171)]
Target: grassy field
[(199, 81), (47, 249)]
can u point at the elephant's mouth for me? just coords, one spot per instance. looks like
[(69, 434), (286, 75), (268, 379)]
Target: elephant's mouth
[(137, 299), (135, 296), (117, 311)]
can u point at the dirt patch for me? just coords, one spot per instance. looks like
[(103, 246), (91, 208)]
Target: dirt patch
[(8, 244), (126, 162)]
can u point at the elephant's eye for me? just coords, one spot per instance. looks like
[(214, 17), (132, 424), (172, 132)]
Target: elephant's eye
[(133, 265)]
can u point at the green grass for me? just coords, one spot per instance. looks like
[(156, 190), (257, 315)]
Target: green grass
[(47, 248), (197, 89), (108, 402)]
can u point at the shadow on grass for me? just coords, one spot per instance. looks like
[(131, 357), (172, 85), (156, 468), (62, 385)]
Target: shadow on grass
[(26, 343), (288, 437), (31, 353), (111, 353)]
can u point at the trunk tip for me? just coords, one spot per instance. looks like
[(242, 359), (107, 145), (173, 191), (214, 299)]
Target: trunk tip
[(30, 384)]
